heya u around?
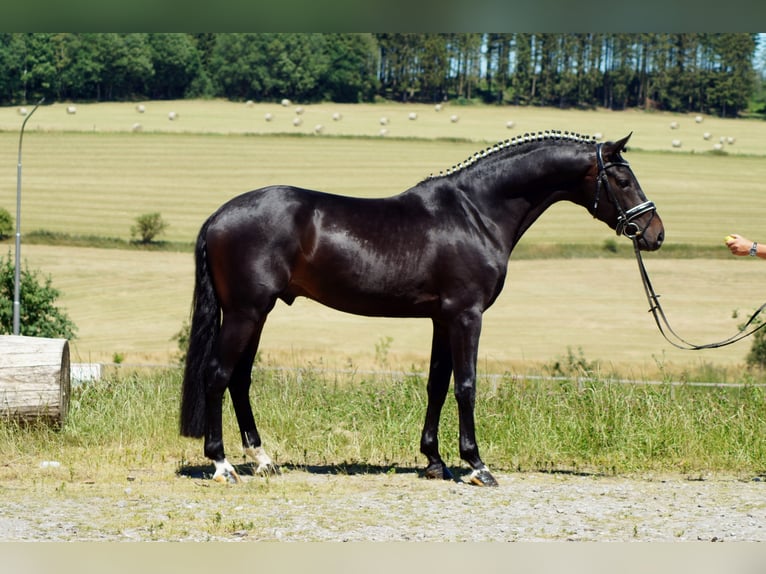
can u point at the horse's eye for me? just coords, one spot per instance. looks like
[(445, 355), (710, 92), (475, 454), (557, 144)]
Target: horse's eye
[(623, 183)]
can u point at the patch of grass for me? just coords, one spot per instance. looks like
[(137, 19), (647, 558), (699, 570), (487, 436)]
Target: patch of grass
[(60, 238), (308, 417)]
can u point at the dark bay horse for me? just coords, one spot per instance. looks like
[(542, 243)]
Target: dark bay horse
[(439, 250)]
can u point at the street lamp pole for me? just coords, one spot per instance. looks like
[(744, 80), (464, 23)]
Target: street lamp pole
[(17, 272)]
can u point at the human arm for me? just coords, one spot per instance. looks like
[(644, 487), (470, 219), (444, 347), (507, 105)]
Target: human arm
[(741, 246)]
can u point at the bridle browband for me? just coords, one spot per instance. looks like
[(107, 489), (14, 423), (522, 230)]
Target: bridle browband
[(625, 224), (627, 227)]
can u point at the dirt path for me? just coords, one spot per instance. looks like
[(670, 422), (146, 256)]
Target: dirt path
[(314, 506)]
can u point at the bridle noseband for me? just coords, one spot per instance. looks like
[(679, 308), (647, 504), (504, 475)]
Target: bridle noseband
[(625, 224)]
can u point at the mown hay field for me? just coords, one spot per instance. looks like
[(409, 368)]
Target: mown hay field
[(89, 173)]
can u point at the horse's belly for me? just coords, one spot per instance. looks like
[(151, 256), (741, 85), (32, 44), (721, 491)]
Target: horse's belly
[(370, 302)]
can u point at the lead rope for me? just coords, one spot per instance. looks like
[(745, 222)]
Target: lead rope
[(659, 315)]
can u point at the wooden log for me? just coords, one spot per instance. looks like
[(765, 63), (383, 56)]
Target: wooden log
[(34, 378)]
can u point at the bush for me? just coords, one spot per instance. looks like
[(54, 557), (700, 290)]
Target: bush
[(147, 227), (38, 316), (6, 224), (756, 357)]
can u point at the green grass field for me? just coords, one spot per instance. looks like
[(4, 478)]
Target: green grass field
[(90, 174)]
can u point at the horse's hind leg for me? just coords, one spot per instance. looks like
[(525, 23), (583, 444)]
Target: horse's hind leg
[(233, 347), (239, 389)]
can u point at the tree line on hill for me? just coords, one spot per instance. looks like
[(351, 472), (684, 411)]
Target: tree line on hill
[(682, 72)]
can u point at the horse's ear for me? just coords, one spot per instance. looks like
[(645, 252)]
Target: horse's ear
[(620, 145), (612, 149)]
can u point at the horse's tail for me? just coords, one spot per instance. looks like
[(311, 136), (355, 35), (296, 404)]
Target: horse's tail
[(203, 332)]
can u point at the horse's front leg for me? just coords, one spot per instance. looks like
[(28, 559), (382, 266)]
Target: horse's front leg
[(438, 385), (464, 339)]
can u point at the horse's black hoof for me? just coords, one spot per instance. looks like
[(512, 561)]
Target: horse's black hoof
[(482, 477), (438, 471)]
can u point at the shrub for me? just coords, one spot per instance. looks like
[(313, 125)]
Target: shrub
[(756, 357), (38, 315), (6, 224), (147, 227)]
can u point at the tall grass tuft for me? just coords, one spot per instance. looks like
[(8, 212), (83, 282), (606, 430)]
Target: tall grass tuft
[(310, 417), (615, 427)]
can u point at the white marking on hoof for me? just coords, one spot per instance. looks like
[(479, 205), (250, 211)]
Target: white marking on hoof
[(225, 473), (262, 460)]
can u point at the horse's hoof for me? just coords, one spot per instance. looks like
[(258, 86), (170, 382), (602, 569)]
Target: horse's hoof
[(267, 469), (263, 462), (438, 471), (227, 477), (482, 477)]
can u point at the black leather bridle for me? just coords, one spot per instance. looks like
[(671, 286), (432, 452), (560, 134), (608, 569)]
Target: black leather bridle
[(625, 224)]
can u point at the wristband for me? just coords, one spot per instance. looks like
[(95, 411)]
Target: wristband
[(754, 249)]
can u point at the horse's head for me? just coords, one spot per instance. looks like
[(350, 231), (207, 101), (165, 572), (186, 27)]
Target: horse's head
[(619, 200)]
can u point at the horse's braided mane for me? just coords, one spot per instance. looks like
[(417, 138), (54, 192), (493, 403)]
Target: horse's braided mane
[(517, 141)]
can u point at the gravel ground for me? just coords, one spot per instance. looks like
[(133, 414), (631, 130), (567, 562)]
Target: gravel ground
[(302, 505)]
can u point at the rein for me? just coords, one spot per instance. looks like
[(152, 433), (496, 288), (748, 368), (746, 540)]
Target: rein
[(626, 226), (664, 325)]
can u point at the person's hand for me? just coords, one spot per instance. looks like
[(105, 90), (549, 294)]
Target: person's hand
[(738, 245)]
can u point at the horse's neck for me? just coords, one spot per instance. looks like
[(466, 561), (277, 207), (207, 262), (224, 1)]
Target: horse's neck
[(522, 188)]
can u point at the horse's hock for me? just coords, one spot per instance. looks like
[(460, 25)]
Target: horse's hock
[(34, 378)]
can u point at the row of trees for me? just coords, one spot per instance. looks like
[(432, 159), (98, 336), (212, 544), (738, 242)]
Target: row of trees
[(700, 72)]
